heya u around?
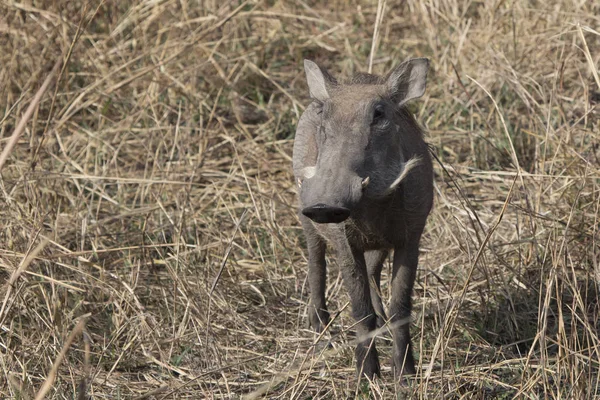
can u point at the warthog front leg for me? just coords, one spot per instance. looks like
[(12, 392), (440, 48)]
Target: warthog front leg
[(403, 278), (318, 316), (354, 272)]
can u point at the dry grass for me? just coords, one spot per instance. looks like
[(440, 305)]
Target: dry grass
[(149, 232)]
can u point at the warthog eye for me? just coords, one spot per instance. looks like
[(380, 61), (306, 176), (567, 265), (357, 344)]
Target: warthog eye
[(319, 109), (378, 113)]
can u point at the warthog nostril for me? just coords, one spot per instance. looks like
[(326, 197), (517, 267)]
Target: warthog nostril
[(324, 214)]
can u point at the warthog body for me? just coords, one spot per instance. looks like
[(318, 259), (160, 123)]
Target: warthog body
[(366, 187)]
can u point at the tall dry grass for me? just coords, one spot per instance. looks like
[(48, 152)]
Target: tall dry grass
[(150, 247)]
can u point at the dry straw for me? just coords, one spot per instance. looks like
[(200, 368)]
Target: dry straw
[(151, 177)]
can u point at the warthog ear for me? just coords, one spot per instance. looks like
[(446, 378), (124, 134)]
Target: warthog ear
[(407, 81), (318, 80)]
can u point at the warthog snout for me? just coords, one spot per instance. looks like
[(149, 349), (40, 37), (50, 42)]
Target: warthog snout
[(331, 191), (324, 214)]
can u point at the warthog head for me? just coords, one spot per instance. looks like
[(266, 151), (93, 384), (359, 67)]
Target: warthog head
[(361, 139)]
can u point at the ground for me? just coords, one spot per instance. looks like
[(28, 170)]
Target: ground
[(150, 246)]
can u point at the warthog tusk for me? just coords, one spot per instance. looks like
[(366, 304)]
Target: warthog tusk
[(408, 166), (365, 182)]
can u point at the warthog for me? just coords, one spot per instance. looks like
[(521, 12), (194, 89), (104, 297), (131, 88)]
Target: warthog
[(365, 186)]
